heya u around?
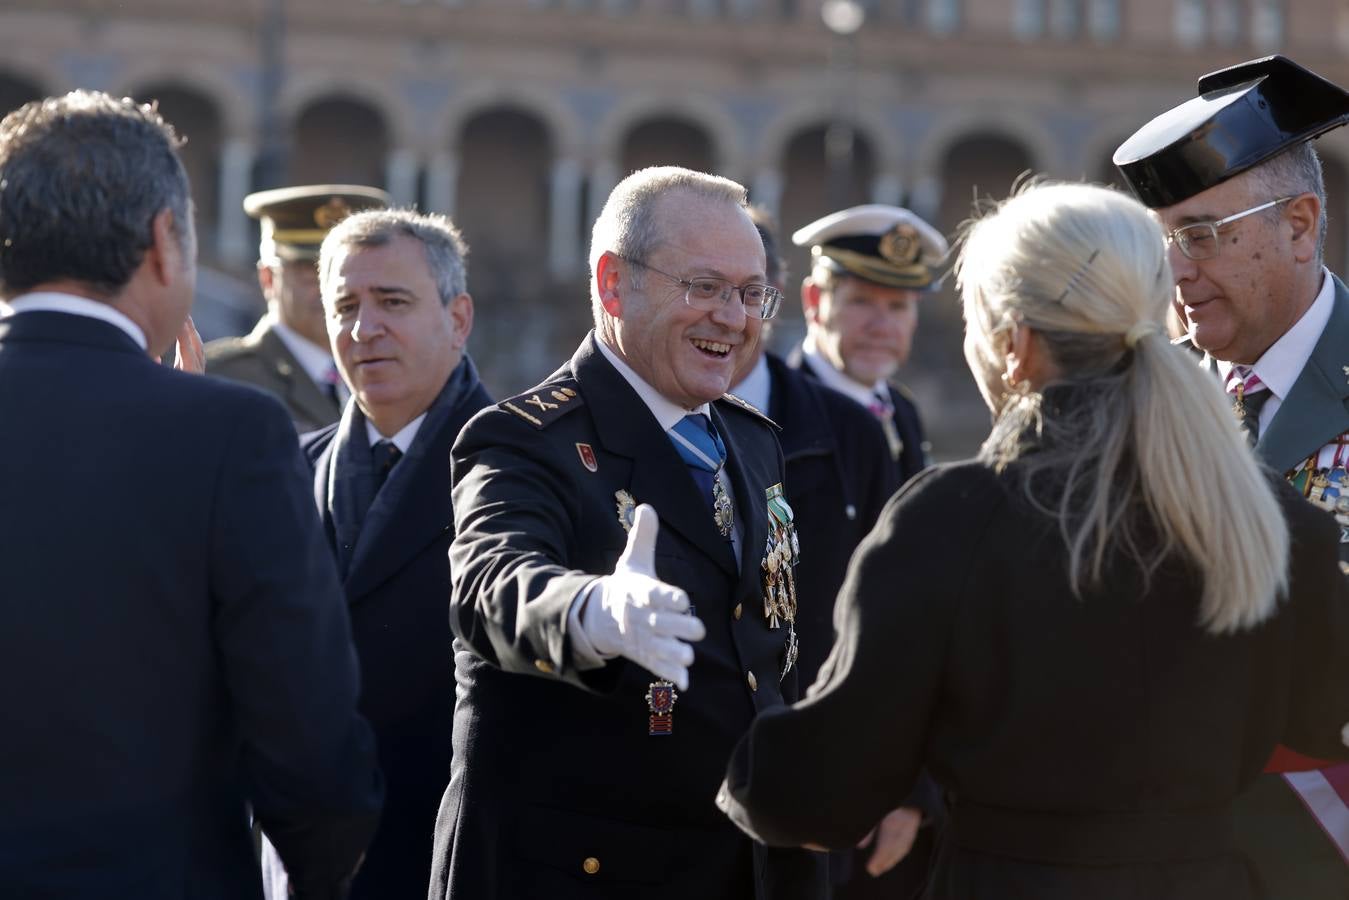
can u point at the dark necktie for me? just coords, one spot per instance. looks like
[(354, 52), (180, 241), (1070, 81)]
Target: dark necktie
[(384, 456), (1249, 396), (702, 450)]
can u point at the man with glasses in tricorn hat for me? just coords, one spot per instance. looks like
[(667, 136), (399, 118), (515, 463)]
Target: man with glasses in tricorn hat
[(1238, 188), (287, 353)]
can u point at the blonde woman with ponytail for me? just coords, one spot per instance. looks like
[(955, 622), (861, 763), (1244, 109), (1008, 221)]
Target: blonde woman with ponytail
[(1093, 634)]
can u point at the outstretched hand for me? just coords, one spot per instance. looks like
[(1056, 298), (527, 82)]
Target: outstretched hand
[(639, 616)]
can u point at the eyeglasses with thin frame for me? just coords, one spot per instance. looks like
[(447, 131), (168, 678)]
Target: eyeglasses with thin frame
[(1199, 240), (709, 294)]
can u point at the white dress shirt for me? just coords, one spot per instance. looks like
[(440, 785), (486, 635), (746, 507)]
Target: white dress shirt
[(1283, 362), (52, 301), (402, 440)]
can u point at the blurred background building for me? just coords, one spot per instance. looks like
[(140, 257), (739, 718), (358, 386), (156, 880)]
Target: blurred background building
[(516, 117)]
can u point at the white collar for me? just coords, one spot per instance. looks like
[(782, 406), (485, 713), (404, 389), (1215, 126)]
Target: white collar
[(1281, 365), (402, 440), (756, 387), (667, 412), (316, 361), (832, 377), (54, 301)]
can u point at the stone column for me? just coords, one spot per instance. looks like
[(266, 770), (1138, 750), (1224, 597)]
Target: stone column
[(603, 177), (564, 217), (766, 191), (400, 176), (236, 177), (926, 197), (442, 183), (887, 188)]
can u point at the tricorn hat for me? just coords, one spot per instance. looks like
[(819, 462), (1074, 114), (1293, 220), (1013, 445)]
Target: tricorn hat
[(296, 219), (1244, 115), (886, 244)]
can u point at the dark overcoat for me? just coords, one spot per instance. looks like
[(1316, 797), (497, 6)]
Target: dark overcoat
[(173, 644), (397, 591), (1092, 746)]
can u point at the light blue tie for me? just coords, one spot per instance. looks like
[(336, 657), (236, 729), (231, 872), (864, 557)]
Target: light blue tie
[(702, 450)]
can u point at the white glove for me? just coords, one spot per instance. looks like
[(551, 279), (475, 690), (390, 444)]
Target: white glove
[(639, 617)]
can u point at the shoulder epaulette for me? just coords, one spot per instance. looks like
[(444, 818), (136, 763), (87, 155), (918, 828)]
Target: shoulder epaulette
[(546, 404), (749, 408)]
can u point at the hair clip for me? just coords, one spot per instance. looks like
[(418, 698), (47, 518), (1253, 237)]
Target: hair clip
[(1077, 276)]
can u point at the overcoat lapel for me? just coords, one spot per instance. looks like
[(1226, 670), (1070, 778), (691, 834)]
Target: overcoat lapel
[(416, 512), (1316, 410), (626, 427), (413, 510)]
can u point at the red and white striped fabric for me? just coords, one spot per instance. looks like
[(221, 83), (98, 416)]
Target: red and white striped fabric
[(1325, 793)]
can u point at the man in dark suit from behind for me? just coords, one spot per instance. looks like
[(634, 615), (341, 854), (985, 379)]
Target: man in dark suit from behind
[(173, 645), (287, 353), (399, 316)]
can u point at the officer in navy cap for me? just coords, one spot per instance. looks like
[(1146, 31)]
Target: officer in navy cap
[(287, 353), (870, 267), (1239, 191)]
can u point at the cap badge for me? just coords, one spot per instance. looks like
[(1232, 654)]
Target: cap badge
[(332, 212), (901, 245)]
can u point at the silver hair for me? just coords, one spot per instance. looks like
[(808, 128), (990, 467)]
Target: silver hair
[(1118, 462), (1296, 170), (444, 245)]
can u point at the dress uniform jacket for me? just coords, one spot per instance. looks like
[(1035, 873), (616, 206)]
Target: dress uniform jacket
[(173, 646), (913, 453), (262, 359), (397, 588), (1092, 746), (558, 790), (1292, 852)]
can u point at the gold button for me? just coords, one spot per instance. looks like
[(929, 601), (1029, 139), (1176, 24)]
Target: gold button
[(739, 611), (591, 865), (753, 682), (544, 666)]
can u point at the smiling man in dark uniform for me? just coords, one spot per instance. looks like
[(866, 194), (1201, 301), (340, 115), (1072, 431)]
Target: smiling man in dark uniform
[(622, 600), (1238, 187)]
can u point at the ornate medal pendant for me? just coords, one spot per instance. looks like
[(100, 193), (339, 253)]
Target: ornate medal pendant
[(722, 511), (790, 654), (660, 699)]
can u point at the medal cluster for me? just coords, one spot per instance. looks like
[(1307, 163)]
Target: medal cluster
[(781, 554)]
